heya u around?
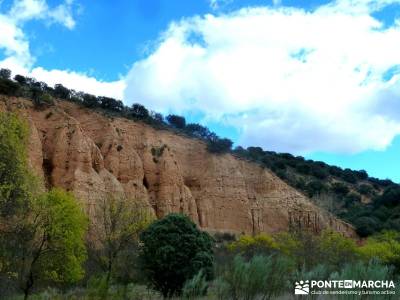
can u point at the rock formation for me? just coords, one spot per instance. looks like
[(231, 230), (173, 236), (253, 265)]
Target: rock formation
[(91, 155)]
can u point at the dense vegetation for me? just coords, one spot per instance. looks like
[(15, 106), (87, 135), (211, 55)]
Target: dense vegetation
[(370, 204), (49, 250)]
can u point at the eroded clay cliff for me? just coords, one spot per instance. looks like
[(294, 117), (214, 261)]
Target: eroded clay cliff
[(91, 155)]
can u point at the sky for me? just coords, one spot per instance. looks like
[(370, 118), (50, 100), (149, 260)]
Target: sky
[(319, 79)]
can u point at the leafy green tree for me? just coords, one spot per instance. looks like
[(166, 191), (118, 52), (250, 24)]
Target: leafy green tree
[(336, 249), (8, 87), (390, 197), (176, 121), (340, 189), (5, 74), (41, 237), (115, 230), (61, 91), (157, 117), (15, 177), (365, 189), (366, 226), (21, 79), (197, 130), (50, 246), (90, 100), (219, 145), (174, 250), (138, 111), (349, 176), (110, 103), (385, 246), (315, 187)]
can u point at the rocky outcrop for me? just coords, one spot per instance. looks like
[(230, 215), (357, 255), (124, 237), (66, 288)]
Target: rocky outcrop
[(93, 155)]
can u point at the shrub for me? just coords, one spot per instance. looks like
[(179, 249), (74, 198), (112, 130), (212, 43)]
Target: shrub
[(340, 189), (90, 100), (8, 87), (265, 276), (319, 172), (218, 145), (390, 197), (365, 189), (250, 246), (372, 270), (176, 121), (385, 246), (195, 287), (303, 168), (362, 174), (174, 250), (352, 199), (138, 111), (349, 176), (315, 187), (198, 130), (336, 249), (366, 226), (62, 92)]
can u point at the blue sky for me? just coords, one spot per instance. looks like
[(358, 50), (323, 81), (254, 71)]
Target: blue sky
[(315, 78)]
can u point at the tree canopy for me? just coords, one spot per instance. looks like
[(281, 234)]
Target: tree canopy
[(174, 250)]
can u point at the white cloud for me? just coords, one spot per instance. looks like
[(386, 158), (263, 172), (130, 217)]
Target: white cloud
[(13, 41), (25, 10), (80, 82), (20, 60), (287, 79)]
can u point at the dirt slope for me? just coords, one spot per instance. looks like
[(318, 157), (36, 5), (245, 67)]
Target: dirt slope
[(91, 155)]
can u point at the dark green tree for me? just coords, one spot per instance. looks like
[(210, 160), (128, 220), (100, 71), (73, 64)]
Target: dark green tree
[(110, 103), (20, 79), (197, 130), (90, 100), (61, 91), (174, 250), (138, 111), (176, 121), (219, 145), (8, 87), (5, 74)]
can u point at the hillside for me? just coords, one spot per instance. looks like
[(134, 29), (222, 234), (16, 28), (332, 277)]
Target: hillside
[(92, 155), (368, 203)]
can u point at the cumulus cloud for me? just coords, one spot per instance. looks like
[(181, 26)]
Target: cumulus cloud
[(286, 78), (19, 59), (25, 10), (13, 40), (80, 82)]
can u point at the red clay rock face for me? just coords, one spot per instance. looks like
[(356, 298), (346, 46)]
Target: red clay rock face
[(92, 155)]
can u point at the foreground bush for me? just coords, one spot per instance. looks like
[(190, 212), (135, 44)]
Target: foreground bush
[(263, 277), (174, 250)]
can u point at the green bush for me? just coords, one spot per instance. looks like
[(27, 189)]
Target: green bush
[(173, 251), (195, 287), (340, 189), (263, 276)]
